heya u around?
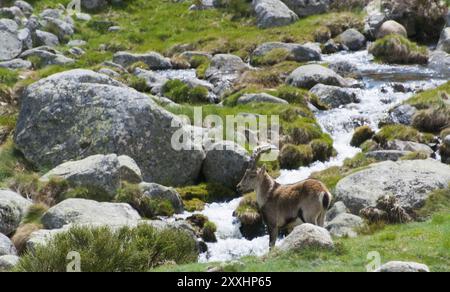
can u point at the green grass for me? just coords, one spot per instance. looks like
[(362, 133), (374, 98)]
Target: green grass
[(401, 132), (430, 98), (425, 242), (396, 49)]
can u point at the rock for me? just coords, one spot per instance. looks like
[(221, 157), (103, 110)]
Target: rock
[(374, 19), (345, 69), (51, 13), (190, 55), (444, 150), (307, 235), (344, 225), (337, 209), (352, 39), (25, 36), (43, 38), (109, 72), (310, 75), (444, 41), (12, 12), (272, 13), (56, 125), (12, 210), (154, 61), (76, 51), (260, 97), (331, 47), (408, 146), (439, 61), (225, 163), (391, 27), (11, 45), (77, 43), (25, 7), (403, 267), (83, 16), (8, 262), (60, 27), (9, 25), (46, 56), (334, 96), (152, 79), (223, 71), (100, 172), (93, 5), (114, 28), (383, 155), (297, 52), (156, 191), (80, 211), (16, 64), (305, 8), (128, 170), (409, 181), (6, 246), (401, 114)]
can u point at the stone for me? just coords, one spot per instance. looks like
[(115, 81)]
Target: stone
[(26, 8), (272, 13), (444, 41), (305, 8), (11, 45), (337, 209), (260, 97), (334, 96), (310, 75), (345, 69), (225, 163), (153, 60), (8, 262), (297, 52), (391, 27), (6, 246), (344, 225), (401, 114), (59, 27), (128, 169), (383, 155), (47, 56), (43, 38), (16, 64), (403, 267), (408, 146), (12, 210), (409, 182), (305, 236), (156, 191), (85, 212), (352, 39), (56, 125)]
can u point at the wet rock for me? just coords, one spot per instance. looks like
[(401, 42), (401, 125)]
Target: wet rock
[(403, 267), (331, 47), (8, 262), (6, 246), (12, 210), (307, 235), (352, 39), (391, 27), (409, 181), (260, 97), (334, 96), (55, 125), (439, 61), (153, 60), (305, 8), (310, 75), (444, 150), (444, 41), (80, 211), (156, 191), (344, 225), (297, 52), (272, 13)]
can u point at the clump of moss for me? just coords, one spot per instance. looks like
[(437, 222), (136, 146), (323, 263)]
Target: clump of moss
[(208, 232), (360, 160), (180, 63), (248, 214), (138, 83), (361, 135), (369, 145), (180, 92), (431, 98), (294, 95), (202, 68), (271, 58), (417, 155), (127, 250), (445, 133), (8, 77), (322, 149), (396, 49), (432, 120), (194, 205), (206, 192), (401, 132), (293, 156), (197, 61)]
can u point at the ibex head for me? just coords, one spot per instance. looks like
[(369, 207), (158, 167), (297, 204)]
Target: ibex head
[(250, 179)]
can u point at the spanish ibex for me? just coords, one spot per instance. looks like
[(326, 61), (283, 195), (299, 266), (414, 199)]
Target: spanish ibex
[(281, 205)]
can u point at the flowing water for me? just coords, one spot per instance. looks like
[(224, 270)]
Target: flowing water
[(376, 99)]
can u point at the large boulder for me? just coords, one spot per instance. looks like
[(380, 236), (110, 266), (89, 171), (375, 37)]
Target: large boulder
[(12, 210), (334, 96), (296, 52), (409, 181), (271, 13), (156, 191), (391, 27), (43, 38), (260, 97), (86, 212), (444, 41), (10, 45), (153, 60), (45, 56), (61, 27), (306, 236), (6, 246), (79, 113), (225, 163), (345, 225), (374, 19), (100, 172), (8, 262), (403, 267), (310, 75), (352, 39), (305, 8)]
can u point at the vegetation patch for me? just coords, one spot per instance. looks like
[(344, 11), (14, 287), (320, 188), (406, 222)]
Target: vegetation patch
[(361, 135), (401, 132), (431, 98), (396, 49), (180, 92)]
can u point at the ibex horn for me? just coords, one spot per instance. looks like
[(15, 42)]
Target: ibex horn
[(258, 152)]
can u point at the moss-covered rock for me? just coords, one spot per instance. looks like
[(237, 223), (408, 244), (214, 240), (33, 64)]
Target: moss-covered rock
[(403, 133), (432, 120), (293, 156), (395, 49), (180, 92), (248, 214), (361, 135)]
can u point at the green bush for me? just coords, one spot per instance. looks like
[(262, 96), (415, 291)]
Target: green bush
[(396, 49), (180, 92), (102, 250), (294, 157)]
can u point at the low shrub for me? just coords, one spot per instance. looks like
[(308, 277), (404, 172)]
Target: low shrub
[(396, 49), (180, 92)]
